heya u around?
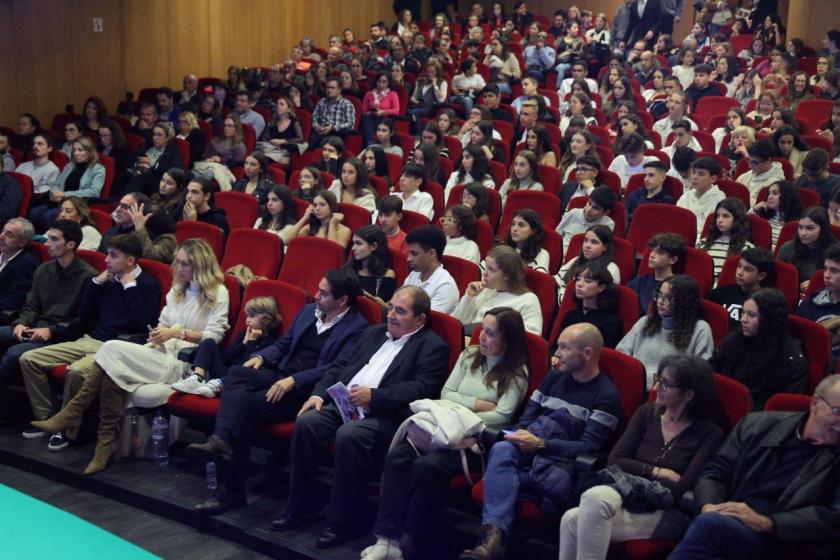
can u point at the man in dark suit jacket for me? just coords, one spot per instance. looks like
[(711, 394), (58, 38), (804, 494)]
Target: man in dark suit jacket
[(273, 384), (17, 265), (391, 366), (647, 25)]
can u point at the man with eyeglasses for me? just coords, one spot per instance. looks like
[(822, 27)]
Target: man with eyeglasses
[(124, 217), (773, 490), (815, 175), (17, 265), (333, 115), (586, 180), (763, 170)]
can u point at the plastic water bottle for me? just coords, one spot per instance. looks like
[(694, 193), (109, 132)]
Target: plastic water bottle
[(212, 480), (160, 439)]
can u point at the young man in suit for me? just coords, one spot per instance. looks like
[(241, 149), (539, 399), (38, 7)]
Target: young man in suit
[(392, 365), (273, 384)]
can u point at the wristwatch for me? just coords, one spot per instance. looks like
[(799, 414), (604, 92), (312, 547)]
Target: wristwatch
[(541, 446)]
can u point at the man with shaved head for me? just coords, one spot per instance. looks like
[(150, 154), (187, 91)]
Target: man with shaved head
[(575, 411)]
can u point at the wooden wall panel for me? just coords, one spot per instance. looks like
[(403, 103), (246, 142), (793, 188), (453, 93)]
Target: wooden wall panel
[(811, 19), (8, 73)]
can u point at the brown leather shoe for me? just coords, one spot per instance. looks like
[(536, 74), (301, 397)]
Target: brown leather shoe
[(213, 447), (221, 501), (490, 545)]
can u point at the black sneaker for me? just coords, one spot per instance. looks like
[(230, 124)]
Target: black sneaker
[(33, 433), (58, 442)]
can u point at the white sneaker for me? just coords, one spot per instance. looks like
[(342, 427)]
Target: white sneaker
[(190, 384), (211, 389), (384, 549)]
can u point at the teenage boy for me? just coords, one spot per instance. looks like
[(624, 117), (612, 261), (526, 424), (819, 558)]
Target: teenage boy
[(586, 180), (755, 270), (763, 170), (704, 194), (492, 96), (682, 138), (653, 190), (120, 300), (200, 205), (579, 71), (815, 175), (681, 166), (596, 212), (666, 250), (824, 306), (632, 158), (388, 218), (413, 198), (425, 249), (702, 85)]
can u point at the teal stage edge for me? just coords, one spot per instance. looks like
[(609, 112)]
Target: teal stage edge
[(33, 530)]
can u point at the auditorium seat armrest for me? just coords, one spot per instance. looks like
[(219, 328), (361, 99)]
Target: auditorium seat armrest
[(589, 463)]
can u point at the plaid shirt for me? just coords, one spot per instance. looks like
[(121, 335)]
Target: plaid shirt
[(340, 113)]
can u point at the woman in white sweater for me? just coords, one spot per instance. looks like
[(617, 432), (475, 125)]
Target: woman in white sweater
[(489, 379), (503, 285), (458, 224), (196, 309), (353, 187), (672, 326)]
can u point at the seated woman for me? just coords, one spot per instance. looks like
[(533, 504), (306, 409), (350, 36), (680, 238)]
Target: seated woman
[(196, 309), (200, 205), (426, 155), (283, 133), (597, 246), (735, 117), (112, 143), (490, 379), (95, 114), (671, 326), (280, 214), (309, 183), (222, 153), (790, 146), (72, 134), (256, 180), (379, 102), (371, 261), (526, 236), (210, 363), (629, 124), (481, 135), (154, 160), (579, 106), (332, 156), (172, 193), (805, 251), (458, 224), (322, 219), (668, 441), (502, 285), (742, 137), (476, 197), (447, 123), (430, 90), (581, 143), (190, 132), (539, 141), (524, 175), (386, 134), (349, 86), (432, 135), (77, 209), (782, 205), (761, 354), (353, 187), (729, 233), (376, 163), (83, 177), (473, 166), (596, 302)]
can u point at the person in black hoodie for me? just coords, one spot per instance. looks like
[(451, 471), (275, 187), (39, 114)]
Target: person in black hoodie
[(823, 306), (199, 205), (762, 355), (596, 303)]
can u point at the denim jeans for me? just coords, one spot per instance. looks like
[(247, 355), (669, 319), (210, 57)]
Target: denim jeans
[(501, 484), (12, 351), (714, 535)]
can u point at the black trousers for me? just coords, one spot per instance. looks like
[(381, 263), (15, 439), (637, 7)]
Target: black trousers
[(414, 489), (360, 447), (208, 356), (243, 410)]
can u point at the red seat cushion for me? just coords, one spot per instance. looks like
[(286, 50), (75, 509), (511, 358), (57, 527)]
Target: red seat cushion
[(59, 373), (193, 406), (281, 430)]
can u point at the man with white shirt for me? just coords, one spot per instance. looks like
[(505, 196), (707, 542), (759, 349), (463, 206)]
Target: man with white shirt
[(413, 198), (704, 194), (632, 158), (677, 107), (579, 70), (392, 365), (425, 249), (763, 170), (467, 85), (682, 138)]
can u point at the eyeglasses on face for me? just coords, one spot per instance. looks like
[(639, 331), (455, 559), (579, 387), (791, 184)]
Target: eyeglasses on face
[(662, 384)]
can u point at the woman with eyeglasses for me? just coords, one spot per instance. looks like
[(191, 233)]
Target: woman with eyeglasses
[(153, 160), (458, 224), (761, 354), (672, 325), (667, 441)]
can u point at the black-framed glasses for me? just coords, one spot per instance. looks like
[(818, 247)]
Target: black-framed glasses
[(657, 295), (835, 410), (663, 384)]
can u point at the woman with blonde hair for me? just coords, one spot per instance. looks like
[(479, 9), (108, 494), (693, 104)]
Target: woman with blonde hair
[(741, 138), (196, 309), (77, 209), (189, 131)]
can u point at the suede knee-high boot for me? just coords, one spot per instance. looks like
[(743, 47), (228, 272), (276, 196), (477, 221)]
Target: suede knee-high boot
[(111, 400), (71, 415)]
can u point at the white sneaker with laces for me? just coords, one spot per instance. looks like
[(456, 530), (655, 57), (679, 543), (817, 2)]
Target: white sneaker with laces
[(384, 549), (190, 384), (210, 389)]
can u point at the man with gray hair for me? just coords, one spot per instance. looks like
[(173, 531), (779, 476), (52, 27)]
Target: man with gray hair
[(189, 89), (773, 489), (17, 265)]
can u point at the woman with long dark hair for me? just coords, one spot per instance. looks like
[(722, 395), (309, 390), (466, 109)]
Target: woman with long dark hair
[(761, 354), (596, 302), (538, 141), (526, 236), (597, 246), (371, 261), (473, 166), (353, 186), (782, 205), (280, 214), (322, 219), (256, 180), (805, 251), (172, 192), (729, 233), (376, 163), (426, 155), (671, 326)]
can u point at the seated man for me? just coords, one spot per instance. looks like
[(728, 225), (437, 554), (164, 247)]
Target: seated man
[(596, 212), (755, 271), (666, 250), (682, 139), (677, 110), (575, 411), (333, 115), (17, 265), (167, 110), (147, 121), (772, 491), (492, 96), (425, 250), (579, 71), (43, 172), (245, 102), (701, 87), (632, 158), (823, 306), (704, 194), (653, 189), (200, 205), (120, 300), (11, 194), (391, 366), (52, 303), (763, 170), (273, 384), (815, 175), (123, 219)]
